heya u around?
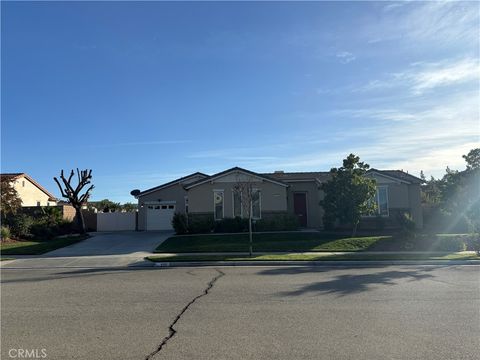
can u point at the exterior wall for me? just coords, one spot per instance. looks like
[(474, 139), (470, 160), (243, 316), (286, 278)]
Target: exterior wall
[(174, 192), (30, 193), (402, 197), (200, 198), (314, 195)]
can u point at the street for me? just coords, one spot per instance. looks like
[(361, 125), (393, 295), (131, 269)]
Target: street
[(299, 312)]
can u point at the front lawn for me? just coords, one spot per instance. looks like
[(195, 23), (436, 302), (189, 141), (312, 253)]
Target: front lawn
[(313, 257), (264, 242), (38, 247)]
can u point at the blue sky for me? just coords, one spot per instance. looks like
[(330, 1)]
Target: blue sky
[(144, 92)]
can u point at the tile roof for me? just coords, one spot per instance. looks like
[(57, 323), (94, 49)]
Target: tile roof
[(17, 175), (291, 176), (399, 174)]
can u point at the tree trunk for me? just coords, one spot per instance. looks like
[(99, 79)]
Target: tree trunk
[(250, 240), (80, 220), (354, 230)]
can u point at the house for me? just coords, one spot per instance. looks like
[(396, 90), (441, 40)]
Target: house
[(296, 193), (30, 192)]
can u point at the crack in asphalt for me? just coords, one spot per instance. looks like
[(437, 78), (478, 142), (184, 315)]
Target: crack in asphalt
[(171, 329)]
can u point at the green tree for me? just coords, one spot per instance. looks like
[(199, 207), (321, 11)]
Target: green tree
[(106, 205), (10, 201), (348, 193), (473, 159), (129, 207)]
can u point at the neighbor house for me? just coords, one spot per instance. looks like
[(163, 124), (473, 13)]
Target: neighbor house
[(30, 192), (295, 193)]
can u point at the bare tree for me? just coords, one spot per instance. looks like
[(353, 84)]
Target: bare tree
[(246, 192), (73, 195)]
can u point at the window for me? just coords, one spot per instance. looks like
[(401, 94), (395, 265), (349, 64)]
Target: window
[(186, 204), (237, 204), (38, 203), (171, 206), (382, 200), (218, 204), (256, 204), (164, 207), (23, 183)]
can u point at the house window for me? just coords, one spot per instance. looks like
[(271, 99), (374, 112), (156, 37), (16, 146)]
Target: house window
[(382, 200), (237, 204), (256, 204), (23, 183), (218, 204), (186, 204), (38, 203)]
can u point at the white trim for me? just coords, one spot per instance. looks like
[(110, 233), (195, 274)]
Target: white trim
[(210, 179), (223, 205)]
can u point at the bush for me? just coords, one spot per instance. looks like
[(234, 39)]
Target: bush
[(407, 225), (20, 225), (283, 222), (5, 233), (231, 225), (201, 225), (450, 243), (43, 231), (180, 223)]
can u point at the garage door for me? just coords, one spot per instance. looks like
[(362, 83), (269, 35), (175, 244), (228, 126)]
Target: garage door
[(159, 217)]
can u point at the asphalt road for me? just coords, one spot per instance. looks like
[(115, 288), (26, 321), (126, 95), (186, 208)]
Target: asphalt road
[(390, 312)]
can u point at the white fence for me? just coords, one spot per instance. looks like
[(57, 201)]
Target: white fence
[(116, 221)]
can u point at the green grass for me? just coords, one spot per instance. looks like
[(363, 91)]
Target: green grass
[(311, 257), (38, 247), (4, 259), (299, 242)]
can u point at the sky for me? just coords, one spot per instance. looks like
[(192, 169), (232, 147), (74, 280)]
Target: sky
[(145, 92)]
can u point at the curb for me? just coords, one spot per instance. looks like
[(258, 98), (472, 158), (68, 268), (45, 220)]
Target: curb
[(314, 263)]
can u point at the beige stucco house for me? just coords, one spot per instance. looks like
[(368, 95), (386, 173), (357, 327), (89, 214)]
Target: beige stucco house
[(30, 192), (296, 193)]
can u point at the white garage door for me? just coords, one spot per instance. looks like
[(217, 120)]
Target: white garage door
[(159, 217)]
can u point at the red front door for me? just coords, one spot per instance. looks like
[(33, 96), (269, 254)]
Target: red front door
[(300, 207)]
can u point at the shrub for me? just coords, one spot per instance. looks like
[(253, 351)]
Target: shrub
[(201, 225), (450, 243), (281, 222), (231, 225), (41, 230), (472, 242), (5, 233), (407, 225), (66, 227), (180, 223), (20, 225), (380, 222)]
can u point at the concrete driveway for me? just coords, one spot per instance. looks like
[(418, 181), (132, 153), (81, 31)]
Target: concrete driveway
[(115, 243), (117, 249)]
